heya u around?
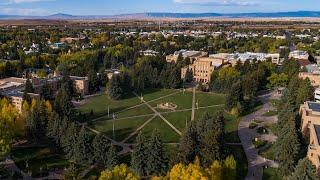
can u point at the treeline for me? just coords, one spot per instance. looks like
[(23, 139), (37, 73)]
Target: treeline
[(290, 146), (241, 84), (147, 73)]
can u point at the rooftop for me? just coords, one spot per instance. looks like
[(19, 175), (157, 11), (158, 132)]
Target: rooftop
[(314, 106)]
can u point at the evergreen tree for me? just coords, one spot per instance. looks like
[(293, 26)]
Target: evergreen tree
[(112, 158), (29, 87), (93, 82), (139, 155), (287, 148), (189, 146), (157, 162), (189, 76), (211, 142), (83, 148), (63, 105), (71, 173), (70, 137), (304, 170), (234, 96), (46, 92), (100, 149), (114, 88), (68, 85)]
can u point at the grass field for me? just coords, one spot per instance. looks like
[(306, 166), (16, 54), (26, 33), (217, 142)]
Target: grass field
[(131, 113)]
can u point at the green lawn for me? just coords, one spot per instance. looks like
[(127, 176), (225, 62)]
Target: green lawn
[(179, 119), (38, 160), (182, 100), (123, 128), (271, 174), (99, 105), (152, 94), (166, 132)]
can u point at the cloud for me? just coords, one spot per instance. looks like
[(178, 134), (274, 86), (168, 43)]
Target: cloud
[(25, 1), (216, 2), (23, 11)]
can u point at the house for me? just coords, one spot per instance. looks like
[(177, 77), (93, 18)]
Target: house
[(303, 55)]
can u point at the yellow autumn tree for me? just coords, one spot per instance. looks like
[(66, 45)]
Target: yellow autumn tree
[(8, 117), (120, 172), (192, 171), (214, 172)]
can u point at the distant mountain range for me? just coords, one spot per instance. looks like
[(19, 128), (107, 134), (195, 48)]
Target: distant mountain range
[(61, 16)]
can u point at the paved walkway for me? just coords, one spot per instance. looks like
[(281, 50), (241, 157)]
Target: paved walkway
[(158, 114), (246, 135)]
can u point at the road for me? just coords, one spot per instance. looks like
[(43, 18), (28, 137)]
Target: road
[(246, 135)]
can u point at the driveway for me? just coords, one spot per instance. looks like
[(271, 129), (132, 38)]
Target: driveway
[(246, 135)]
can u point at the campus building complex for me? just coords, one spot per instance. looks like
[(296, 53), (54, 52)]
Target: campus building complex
[(310, 127), (193, 55), (12, 87), (202, 68)]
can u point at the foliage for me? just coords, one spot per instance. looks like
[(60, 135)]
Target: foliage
[(118, 173)]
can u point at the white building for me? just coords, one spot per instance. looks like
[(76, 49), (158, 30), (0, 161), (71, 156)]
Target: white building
[(299, 54)]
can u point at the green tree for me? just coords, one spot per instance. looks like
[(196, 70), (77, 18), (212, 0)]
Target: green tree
[(114, 88), (100, 146), (93, 82), (62, 104), (157, 161), (112, 157), (189, 144), (83, 148), (72, 172), (139, 156), (29, 87), (189, 76), (304, 170)]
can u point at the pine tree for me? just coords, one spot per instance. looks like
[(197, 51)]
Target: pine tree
[(189, 145), (304, 170), (157, 162), (83, 148), (46, 92), (62, 104), (29, 87), (287, 148), (114, 88), (71, 140), (71, 173), (139, 156), (112, 158), (93, 82), (100, 146), (189, 76), (211, 138)]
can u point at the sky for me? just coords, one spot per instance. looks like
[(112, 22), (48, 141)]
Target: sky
[(111, 7)]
